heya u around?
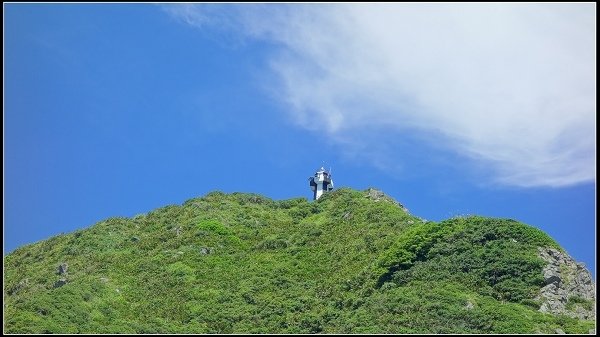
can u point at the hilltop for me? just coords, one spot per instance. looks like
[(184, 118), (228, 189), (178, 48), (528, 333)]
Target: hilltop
[(351, 262)]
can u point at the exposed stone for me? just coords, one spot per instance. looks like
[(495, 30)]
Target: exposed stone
[(592, 331), (205, 250), (377, 195), (347, 215), (469, 305), (565, 280), (24, 283), (104, 279), (560, 331), (61, 282), (62, 268), (552, 275)]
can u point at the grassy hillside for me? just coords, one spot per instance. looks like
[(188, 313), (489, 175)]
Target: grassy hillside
[(348, 263)]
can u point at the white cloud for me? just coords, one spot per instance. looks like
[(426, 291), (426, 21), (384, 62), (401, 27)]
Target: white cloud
[(511, 86)]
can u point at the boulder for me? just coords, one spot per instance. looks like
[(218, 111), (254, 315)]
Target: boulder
[(551, 275), (62, 268), (61, 282), (24, 283)]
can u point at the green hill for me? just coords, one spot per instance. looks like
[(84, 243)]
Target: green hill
[(351, 262)]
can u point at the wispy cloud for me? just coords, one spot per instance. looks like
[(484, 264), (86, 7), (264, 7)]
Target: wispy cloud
[(512, 86)]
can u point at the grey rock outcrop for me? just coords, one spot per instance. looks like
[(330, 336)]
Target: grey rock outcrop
[(569, 288), (377, 195), (24, 283), (61, 282), (62, 268)]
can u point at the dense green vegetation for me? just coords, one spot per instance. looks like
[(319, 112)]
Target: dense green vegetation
[(244, 263)]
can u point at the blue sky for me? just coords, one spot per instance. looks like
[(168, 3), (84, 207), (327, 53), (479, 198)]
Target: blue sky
[(115, 110)]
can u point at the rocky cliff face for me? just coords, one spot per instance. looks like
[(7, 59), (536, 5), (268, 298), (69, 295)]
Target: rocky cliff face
[(569, 288)]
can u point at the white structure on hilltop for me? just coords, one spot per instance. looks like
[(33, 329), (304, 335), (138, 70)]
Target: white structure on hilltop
[(321, 183)]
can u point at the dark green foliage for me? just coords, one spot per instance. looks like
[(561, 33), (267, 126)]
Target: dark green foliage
[(494, 257), (242, 263)]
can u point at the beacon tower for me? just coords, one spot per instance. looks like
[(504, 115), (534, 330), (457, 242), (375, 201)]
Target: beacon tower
[(320, 183)]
